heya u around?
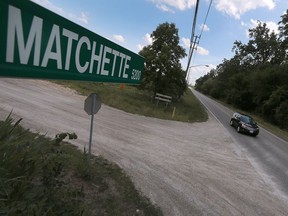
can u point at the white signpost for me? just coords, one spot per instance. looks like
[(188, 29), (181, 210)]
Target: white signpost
[(91, 106)]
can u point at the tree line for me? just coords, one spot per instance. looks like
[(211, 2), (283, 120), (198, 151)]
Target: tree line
[(255, 79)]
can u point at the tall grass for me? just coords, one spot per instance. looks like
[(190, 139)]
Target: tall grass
[(41, 176), (133, 100)]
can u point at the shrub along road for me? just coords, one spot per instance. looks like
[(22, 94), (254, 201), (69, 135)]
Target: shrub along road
[(186, 169)]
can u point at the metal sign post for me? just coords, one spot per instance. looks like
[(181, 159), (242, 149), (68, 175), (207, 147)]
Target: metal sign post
[(91, 106), (91, 128)]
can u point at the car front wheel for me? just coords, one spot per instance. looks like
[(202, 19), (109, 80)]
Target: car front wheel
[(231, 122)]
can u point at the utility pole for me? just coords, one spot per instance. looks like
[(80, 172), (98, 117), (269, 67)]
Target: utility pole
[(193, 45)]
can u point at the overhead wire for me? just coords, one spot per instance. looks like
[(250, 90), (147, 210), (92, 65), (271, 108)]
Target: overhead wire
[(205, 19), (192, 34), (193, 40)]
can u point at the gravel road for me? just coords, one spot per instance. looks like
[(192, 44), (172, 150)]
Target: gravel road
[(186, 169)]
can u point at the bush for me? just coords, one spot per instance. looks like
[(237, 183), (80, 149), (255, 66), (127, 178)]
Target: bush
[(40, 176), (30, 170)]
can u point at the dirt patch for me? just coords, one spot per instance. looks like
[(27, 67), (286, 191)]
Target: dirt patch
[(186, 169)]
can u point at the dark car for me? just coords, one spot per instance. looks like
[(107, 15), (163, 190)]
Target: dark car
[(244, 124)]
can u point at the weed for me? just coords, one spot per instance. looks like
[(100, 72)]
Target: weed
[(40, 176), (30, 166), (136, 101)]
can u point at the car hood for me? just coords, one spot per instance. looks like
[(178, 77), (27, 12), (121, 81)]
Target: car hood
[(251, 125)]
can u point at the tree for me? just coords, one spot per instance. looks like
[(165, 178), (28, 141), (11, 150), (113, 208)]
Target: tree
[(256, 77), (273, 108), (263, 47), (283, 29), (162, 68)]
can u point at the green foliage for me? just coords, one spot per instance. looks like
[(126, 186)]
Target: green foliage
[(134, 100), (84, 167), (162, 70), (30, 166), (281, 114), (40, 176), (274, 107), (262, 48), (256, 78), (283, 28), (258, 91)]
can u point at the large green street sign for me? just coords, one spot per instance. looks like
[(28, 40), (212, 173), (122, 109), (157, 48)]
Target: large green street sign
[(37, 43)]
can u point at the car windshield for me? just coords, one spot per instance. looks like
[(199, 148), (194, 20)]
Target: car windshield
[(247, 120)]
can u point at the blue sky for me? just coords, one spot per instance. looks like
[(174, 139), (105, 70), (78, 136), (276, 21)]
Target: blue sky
[(130, 23)]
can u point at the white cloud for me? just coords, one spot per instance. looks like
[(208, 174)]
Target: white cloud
[(47, 4), (119, 38), (236, 8), (205, 27), (272, 26), (201, 51), (140, 47), (83, 18), (164, 8), (147, 41), (186, 42), (167, 5), (197, 71), (254, 23)]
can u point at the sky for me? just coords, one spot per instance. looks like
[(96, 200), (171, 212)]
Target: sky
[(129, 23)]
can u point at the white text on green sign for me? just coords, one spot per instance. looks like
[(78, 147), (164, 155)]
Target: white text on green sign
[(75, 53)]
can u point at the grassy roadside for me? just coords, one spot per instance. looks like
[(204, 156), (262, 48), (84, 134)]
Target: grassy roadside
[(41, 176), (272, 128), (133, 100)]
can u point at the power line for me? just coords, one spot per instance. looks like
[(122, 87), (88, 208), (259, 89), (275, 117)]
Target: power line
[(205, 19), (195, 39), (192, 45)]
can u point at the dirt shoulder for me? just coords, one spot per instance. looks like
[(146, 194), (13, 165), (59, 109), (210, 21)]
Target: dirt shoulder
[(186, 169)]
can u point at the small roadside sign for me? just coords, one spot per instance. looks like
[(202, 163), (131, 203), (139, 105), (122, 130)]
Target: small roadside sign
[(92, 104)]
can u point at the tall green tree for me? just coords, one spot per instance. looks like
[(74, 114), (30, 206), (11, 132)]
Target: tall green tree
[(283, 29), (256, 77), (263, 47), (162, 68)]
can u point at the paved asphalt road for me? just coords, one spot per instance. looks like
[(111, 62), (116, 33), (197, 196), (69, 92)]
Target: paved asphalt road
[(267, 152)]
